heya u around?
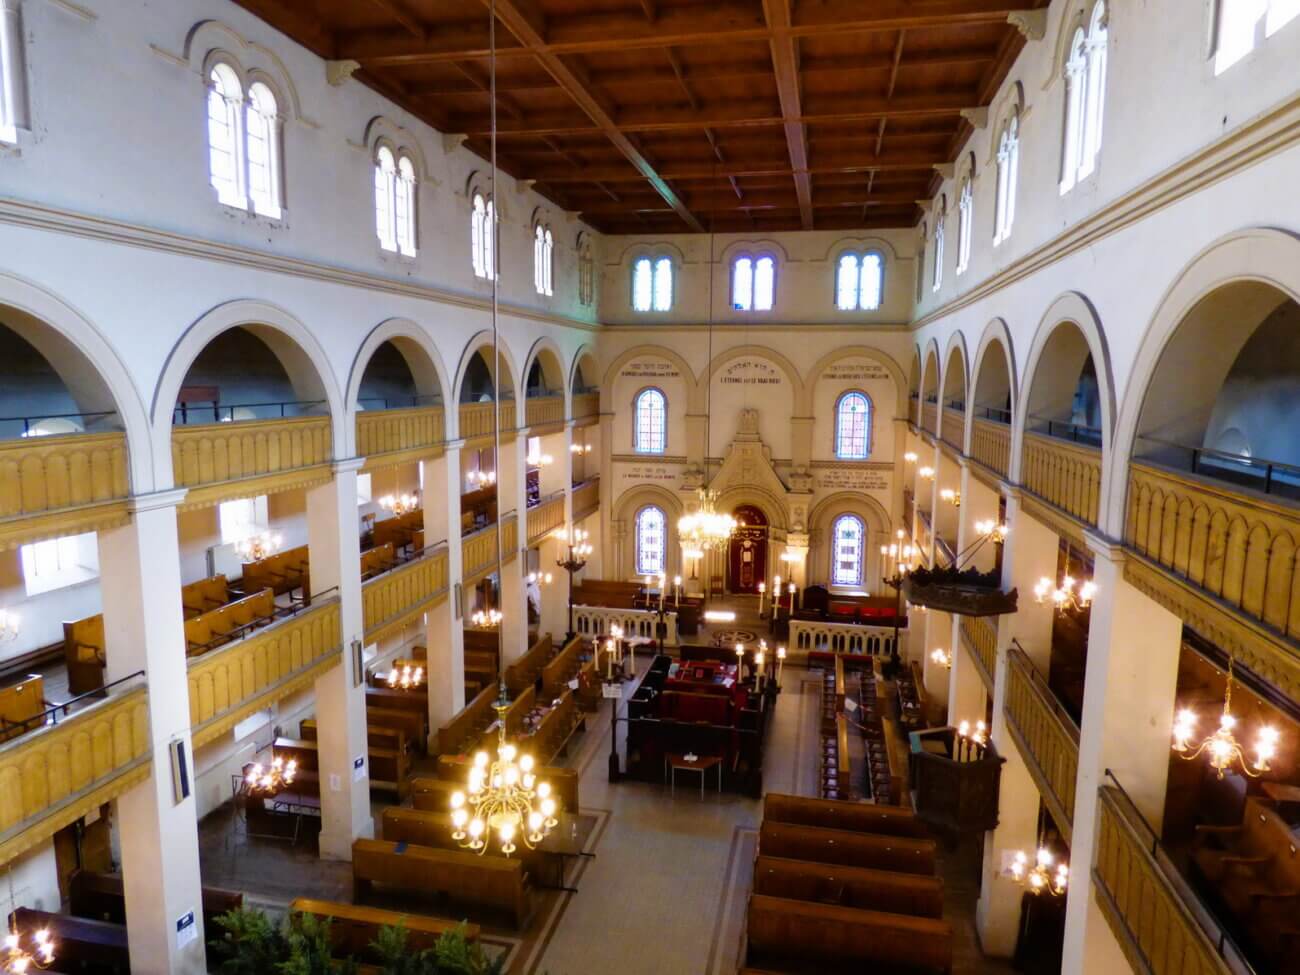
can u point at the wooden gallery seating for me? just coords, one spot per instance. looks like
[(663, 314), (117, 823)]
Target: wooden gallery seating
[(22, 707), (233, 621), (1254, 871), (102, 897), (389, 755), (401, 531), (353, 927), (844, 887), (206, 594), (495, 885), (282, 572), (377, 560), (83, 654), (481, 652)]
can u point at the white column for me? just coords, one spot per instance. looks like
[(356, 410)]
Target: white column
[(979, 502), (333, 535), (555, 597), (445, 638), (140, 580), (512, 495), (1030, 553), (938, 635), (1128, 706), (558, 474)]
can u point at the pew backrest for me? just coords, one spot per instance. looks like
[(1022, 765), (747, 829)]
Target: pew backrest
[(355, 926), (860, 887), (903, 853), (21, 706), (862, 817)]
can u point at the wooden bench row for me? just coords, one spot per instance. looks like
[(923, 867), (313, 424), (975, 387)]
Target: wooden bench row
[(606, 592), (388, 751), (232, 621), (353, 927), (281, 573), (562, 668), (525, 671)]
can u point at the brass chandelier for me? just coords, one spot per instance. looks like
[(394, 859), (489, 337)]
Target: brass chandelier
[(705, 528), (1222, 747)]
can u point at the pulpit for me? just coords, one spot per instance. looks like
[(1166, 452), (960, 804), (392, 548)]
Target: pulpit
[(955, 781)]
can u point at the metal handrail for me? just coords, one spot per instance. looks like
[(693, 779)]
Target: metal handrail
[(955, 404), (1216, 931), (402, 402), (1065, 430), (1244, 463), (994, 413), (28, 421), (50, 716), (181, 412), (1049, 695)]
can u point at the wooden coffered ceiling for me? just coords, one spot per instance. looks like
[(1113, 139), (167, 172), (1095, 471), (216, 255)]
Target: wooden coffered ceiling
[(663, 116)]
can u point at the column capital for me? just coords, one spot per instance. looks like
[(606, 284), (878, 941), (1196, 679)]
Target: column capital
[(170, 498), (347, 465), (456, 444), (1105, 547)]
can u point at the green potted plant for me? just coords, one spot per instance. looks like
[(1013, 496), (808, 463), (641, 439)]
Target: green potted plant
[(249, 944)]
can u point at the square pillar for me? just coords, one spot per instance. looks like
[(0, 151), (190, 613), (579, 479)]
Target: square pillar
[(555, 597), (334, 555), (558, 474), (1129, 693), (445, 636), (140, 581)]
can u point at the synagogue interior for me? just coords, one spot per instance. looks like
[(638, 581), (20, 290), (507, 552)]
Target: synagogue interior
[(558, 487)]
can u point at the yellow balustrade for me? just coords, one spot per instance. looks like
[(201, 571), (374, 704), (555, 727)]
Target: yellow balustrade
[(954, 427), (475, 420), (990, 444), (390, 601), (1045, 734), (930, 417), (509, 536), (1153, 925), (220, 459), (381, 432), (227, 685), (1238, 548), (543, 411), (1066, 475), (586, 498), (54, 776), (981, 638), (478, 554), (61, 485), (914, 410), (509, 416), (547, 516), (585, 405)]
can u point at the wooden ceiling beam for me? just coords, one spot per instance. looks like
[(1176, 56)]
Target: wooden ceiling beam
[(768, 200), (746, 168), (403, 16), (785, 65), (524, 21), (718, 25)]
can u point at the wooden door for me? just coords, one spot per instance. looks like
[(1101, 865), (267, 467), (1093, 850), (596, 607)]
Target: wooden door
[(747, 554)]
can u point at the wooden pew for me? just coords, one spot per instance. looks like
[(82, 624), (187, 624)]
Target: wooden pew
[(394, 699), (101, 897), (400, 530), (861, 817), (377, 560), (481, 883), (433, 828), (561, 669), (843, 939), (564, 781), (519, 708), (525, 671), (466, 727), (80, 943), (859, 887), (389, 753), (21, 706), (388, 768), (904, 854), (377, 736), (354, 927), (433, 795), (206, 594), (282, 572), (230, 622), (552, 736), (602, 592), (83, 653), (409, 723)]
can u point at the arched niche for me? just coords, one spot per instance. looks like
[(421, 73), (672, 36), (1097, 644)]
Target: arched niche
[(544, 373), (626, 507), (954, 374), (584, 377), (750, 377), (479, 371), (993, 393), (821, 520), (398, 373)]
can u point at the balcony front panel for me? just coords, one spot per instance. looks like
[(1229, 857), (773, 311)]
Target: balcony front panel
[(544, 411), (586, 405), (546, 516), (478, 554), (61, 772), (227, 685), (218, 461), (981, 637), (990, 444), (954, 428), (930, 418), (586, 498), (62, 485), (396, 436), (1066, 475), (1150, 920), (1045, 734), (392, 600)]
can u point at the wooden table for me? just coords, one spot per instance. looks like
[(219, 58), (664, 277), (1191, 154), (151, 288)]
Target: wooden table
[(674, 763)]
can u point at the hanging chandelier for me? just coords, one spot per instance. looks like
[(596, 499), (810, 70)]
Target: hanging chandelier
[(503, 798), (705, 528), (406, 678), (400, 504), (486, 619), (1222, 747), (941, 657), (268, 780), (1046, 875), (1065, 597), (256, 547), (17, 960)]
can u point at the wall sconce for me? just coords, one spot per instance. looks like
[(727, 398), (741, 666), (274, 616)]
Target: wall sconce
[(991, 529), (1040, 877), (927, 473), (910, 457), (579, 448), (951, 496), (539, 460), (1064, 597), (942, 657)]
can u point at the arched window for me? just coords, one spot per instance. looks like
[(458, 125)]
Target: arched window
[(920, 264), (651, 541), (965, 206), (1008, 173), (1237, 28), (853, 426), (543, 253), (650, 422), (753, 283), (13, 81), (848, 540), (395, 202), (226, 135), (263, 151), (548, 261), (859, 280), (481, 231), (652, 284), (586, 272), (937, 281), (404, 200), (1085, 95)]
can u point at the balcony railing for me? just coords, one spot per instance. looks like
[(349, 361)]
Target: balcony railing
[(227, 685), (192, 413), (479, 550), (1046, 734), (62, 485), (954, 428), (816, 636), (546, 516), (914, 409), (213, 456), (1256, 473), (981, 637), (543, 411), (586, 498), (391, 600), (1237, 547), (591, 621), (476, 419), (586, 405), (1065, 475), (1163, 928), (929, 417), (990, 444), (400, 431), (57, 774)]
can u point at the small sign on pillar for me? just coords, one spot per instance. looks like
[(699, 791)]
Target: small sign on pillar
[(358, 768), (187, 932)]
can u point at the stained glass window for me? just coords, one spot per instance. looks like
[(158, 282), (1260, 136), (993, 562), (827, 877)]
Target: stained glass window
[(849, 540), (853, 427), (651, 539), (650, 435)]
